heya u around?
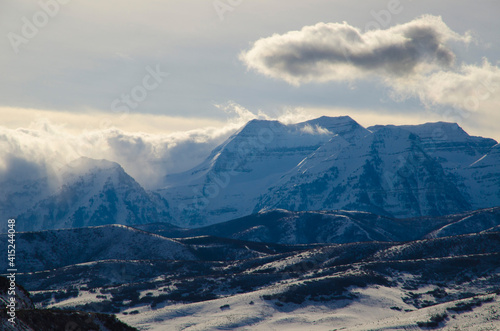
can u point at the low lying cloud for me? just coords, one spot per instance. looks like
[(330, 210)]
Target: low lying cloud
[(339, 51), (44, 147), (316, 130)]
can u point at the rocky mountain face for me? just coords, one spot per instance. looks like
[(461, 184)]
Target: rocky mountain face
[(94, 192), (313, 227), (229, 183), (386, 172), (334, 163), (471, 163), (330, 163)]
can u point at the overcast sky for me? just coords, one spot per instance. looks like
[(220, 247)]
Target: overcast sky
[(166, 66)]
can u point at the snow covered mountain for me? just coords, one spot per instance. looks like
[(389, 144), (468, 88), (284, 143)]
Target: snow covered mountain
[(295, 287), (471, 163), (312, 227), (329, 163), (229, 182), (481, 179), (94, 192), (109, 242), (334, 163), (448, 143), (387, 172)]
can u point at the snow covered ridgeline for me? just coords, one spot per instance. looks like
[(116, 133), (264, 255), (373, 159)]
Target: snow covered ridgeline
[(249, 237), (329, 163), (308, 227), (282, 286), (86, 192), (334, 163), (58, 248)]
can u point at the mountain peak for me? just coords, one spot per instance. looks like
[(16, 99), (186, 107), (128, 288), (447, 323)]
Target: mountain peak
[(329, 121), (84, 165), (255, 126), (335, 118), (344, 126)]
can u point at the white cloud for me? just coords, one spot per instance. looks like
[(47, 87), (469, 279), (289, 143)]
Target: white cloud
[(341, 52), (48, 144), (316, 130), (411, 59), (45, 145), (471, 88)]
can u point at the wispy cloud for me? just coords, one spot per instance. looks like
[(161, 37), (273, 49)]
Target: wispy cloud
[(470, 87), (44, 146)]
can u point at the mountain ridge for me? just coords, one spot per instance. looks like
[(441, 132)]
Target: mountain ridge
[(326, 163), (339, 227)]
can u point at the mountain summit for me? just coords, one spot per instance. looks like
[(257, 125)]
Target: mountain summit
[(94, 192), (329, 163), (334, 163)]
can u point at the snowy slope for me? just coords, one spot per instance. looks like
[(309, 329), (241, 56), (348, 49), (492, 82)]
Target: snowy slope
[(387, 172), (57, 248), (334, 163), (482, 179), (326, 287), (27, 318), (472, 163), (287, 227), (229, 182), (94, 192), (201, 283), (328, 163), (448, 143), (374, 309)]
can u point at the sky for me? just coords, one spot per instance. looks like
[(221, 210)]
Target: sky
[(163, 82)]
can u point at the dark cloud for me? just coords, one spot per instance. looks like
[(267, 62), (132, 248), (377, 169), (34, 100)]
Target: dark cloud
[(334, 51)]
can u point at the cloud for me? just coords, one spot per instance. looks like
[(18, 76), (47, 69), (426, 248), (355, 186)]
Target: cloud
[(414, 60), (76, 122), (340, 52), (470, 88), (316, 130), (45, 146)]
